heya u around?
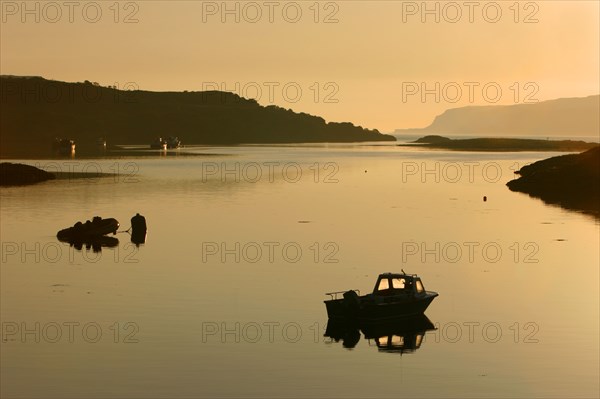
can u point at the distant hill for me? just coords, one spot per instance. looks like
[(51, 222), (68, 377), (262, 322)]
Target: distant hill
[(561, 117), (35, 110)]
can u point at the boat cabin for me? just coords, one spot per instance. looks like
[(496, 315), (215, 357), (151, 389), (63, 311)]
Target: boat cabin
[(397, 284)]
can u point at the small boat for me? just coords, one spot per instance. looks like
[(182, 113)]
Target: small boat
[(170, 143), (101, 143), (96, 228), (159, 144), (63, 146), (395, 295), (173, 142)]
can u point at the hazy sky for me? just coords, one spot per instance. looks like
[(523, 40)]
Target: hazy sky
[(367, 62)]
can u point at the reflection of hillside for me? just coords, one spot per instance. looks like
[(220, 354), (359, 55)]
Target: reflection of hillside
[(398, 336)]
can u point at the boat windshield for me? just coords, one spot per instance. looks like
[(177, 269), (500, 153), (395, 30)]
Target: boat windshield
[(420, 287), (383, 284), (398, 283), (388, 285)]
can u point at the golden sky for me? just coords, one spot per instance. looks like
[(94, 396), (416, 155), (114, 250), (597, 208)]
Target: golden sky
[(367, 62)]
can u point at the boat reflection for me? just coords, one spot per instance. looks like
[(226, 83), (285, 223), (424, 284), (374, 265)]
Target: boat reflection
[(397, 336), (94, 243)]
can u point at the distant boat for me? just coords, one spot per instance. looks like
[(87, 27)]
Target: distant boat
[(170, 142), (159, 144), (173, 142), (395, 295), (63, 146), (101, 143)]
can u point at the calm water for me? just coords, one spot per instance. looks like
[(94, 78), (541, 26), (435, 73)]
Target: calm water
[(225, 297)]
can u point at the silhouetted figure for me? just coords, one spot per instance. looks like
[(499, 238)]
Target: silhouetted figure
[(138, 229), (484, 198)]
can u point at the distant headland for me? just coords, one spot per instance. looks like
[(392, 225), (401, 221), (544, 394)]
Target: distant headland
[(563, 117), (500, 144), (36, 110)]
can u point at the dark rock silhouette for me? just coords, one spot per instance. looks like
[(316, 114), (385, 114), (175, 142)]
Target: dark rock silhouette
[(16, 174), (36, 110), (571, 181)]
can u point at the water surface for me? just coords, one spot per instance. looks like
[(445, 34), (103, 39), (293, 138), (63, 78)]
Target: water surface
[(225, 297)]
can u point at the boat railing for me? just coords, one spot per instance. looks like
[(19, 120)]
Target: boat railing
[(334, 295)]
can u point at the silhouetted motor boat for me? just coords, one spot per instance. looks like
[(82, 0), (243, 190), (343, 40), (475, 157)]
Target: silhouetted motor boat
[(96, 228), (395, 295)]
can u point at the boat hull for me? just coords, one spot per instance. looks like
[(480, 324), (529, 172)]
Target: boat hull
[(365, 308)]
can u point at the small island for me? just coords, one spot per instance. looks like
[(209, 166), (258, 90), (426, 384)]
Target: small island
[(571, 181), (500, 144)]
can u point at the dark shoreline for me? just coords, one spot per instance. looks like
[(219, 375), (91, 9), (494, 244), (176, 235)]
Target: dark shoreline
[(18, 174), (571, 181), (500, 144)]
